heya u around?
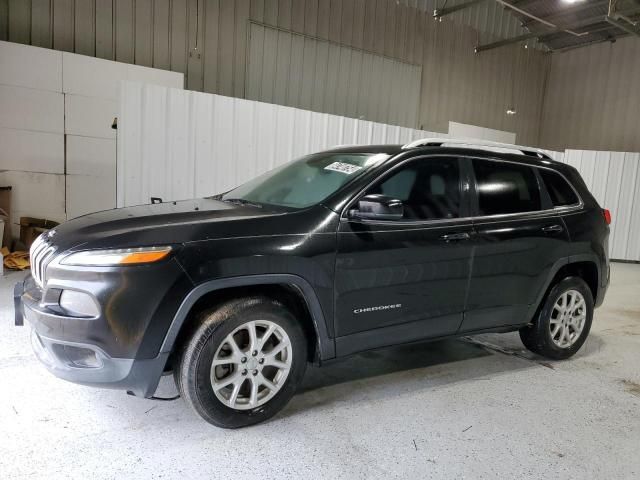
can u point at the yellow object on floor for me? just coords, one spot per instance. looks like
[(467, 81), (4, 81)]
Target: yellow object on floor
[(16, 260)]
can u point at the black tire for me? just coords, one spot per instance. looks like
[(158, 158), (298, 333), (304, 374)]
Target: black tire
[(193, 366), (537, 336)]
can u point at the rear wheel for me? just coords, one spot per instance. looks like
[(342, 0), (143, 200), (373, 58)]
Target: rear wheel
[(564, 321), (243, 363)]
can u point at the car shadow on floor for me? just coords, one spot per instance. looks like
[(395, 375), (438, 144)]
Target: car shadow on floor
[(386, 372), (384, 361)]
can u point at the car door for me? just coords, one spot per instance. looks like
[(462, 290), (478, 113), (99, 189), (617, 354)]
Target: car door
[(518, 238), (406, 279)]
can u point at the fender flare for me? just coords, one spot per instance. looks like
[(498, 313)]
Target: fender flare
[(555, 268), (561, 262), (601, 275), (589, 257), (326, 345)]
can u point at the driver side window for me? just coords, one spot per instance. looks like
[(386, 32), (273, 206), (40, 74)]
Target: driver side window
[(429, 188)]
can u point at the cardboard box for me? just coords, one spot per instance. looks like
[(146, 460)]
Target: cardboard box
[(32, 228), (5, 208), (1, 256), (39, 195)]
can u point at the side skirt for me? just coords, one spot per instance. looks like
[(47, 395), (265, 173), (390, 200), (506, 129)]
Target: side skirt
[(384, 337)]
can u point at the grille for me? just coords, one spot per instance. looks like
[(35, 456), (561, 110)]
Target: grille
[(40, 255)]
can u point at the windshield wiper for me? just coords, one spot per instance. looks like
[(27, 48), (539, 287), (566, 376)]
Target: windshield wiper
[(242, 201)]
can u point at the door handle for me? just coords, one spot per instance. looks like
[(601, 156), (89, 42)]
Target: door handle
[(552, 229), (455, 236)]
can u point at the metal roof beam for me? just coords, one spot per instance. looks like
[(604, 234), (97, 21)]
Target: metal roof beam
[(506, 41), (438, 13), (627, 11), (627, 27), (617, 20), (604, 27), (584, 44), (540, 34)]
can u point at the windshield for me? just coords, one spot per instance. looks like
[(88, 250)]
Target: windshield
[(306, 181)]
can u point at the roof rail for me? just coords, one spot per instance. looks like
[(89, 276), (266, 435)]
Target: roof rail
[(481, 144)]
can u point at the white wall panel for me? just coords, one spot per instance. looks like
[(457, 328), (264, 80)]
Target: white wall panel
[(30, 109), (88, 194), (31, 151), (89, 116), (177, 144), (614, 180), (30, 67), (155, 76), (47, 96), (94, 77), (91, 156)]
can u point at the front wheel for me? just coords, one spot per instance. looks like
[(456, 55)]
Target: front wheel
[(243, 363), (564, 321)]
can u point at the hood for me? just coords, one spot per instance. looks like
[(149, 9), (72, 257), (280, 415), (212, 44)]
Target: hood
[(163, 223)]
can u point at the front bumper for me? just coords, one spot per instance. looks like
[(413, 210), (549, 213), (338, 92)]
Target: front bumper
[(81, 362)]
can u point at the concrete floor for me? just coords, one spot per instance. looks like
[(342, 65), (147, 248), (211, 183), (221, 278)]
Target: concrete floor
[(451, 409)]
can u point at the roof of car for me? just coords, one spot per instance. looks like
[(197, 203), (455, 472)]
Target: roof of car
[(395, 149)]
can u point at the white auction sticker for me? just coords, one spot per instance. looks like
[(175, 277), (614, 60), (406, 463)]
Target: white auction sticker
[(343, 167)]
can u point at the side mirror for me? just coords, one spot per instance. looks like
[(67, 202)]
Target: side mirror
[(378, 207)]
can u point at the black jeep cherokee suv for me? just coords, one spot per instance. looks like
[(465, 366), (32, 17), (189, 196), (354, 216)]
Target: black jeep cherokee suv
[(338, 252)]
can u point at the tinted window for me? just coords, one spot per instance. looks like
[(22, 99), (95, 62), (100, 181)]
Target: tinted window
[(505, 188), (559, 190), (429, 188)]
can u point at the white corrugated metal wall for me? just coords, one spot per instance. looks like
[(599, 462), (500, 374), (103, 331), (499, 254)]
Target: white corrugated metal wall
[(57, 147), (208, 41), (178, 144), (614, 180)]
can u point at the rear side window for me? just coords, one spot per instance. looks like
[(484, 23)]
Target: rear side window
[(505, 188), (559, 189)]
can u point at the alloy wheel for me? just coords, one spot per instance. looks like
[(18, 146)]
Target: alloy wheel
[(568, 318), (251, 365)]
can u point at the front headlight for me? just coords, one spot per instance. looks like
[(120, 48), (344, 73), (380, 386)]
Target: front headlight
[(121, 256)]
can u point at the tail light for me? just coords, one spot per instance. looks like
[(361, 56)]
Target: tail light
[(607, 215)]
